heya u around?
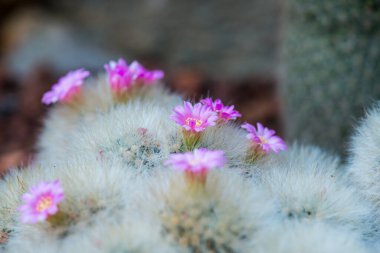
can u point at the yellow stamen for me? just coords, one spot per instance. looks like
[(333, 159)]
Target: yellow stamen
[(198, 122), (263, 140), (44, 203)]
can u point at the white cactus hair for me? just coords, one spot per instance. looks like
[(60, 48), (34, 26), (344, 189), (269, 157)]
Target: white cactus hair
[(12, 187), (93, 205), (308, 185), (311, 237), (109, 155), (122, 132), (230, 138), (223, 219), (104, 111), (365, 160), (363, 167)]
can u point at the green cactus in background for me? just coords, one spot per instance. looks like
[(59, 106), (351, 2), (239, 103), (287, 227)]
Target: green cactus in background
[(332, 61)]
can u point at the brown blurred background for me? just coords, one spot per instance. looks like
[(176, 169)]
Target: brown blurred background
[(222, 48)]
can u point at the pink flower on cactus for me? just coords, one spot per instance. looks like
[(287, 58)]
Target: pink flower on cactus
[(264, 138), (119, 75), (122, 77), (194, 118), (66, 88), (225, 113), (139, 73), (41, 201), (199, 161)]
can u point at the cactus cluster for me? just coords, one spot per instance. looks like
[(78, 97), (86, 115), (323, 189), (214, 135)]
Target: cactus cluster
[(332, 60), (142, 173)]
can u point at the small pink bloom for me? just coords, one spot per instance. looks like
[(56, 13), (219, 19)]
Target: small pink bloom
[(199, 161), (264, 138), (66, 87), (139, 73), (194, 118), (119, 75), (122, 77), (41, 201), (225, 113)]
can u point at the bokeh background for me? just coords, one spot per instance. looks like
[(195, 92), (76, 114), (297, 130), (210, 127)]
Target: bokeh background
[(302, 67)]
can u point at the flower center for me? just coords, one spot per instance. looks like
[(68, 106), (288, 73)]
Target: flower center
[(263, 140), (44, 203), (194, 162), (194, 122)]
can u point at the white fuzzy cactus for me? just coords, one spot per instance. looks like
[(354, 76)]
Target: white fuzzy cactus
[(311, 237), (135, 167), (308, 185), (365, 160), (223, 218)]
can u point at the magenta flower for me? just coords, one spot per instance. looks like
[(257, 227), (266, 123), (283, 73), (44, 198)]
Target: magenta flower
[(264, 138), (139, 73), (199, 161), (66, 88), (194, 118), (41, 201), (122, 77), (119, 75), (225, 113)]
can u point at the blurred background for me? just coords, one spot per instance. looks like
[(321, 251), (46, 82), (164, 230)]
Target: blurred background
[(302, 67)]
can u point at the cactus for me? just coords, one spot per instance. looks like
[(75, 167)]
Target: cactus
[(331, 56), (294, 237), (218, 222), (133, 183), (364, 161), (321, 194)]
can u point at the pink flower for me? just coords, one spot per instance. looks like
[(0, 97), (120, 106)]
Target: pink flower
[(122, 77), (41, 201), (119, 75), (194, 118), (225, 113), (199, 161), (264, 138), (139, 73), (67, 87)]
